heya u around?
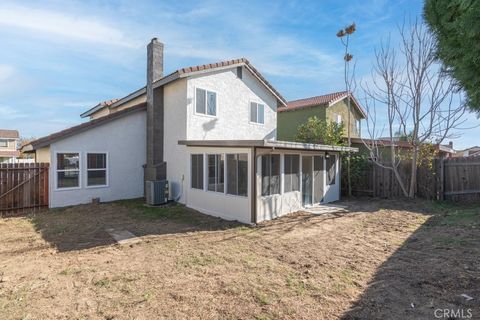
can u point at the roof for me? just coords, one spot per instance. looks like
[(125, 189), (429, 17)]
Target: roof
[(265, 143), (10, 134), (323, 100), (9, 154), (190, 71), (47, 140)]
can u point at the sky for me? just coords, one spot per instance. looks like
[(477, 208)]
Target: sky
[(60, 58)]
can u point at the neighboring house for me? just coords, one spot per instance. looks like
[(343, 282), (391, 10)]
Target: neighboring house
[(470, 152), (332, 107), (209, 130), (8, 146)]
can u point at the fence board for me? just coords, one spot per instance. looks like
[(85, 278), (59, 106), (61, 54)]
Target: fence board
[(23, 186)]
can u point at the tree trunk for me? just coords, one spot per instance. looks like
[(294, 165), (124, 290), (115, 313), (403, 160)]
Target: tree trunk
[(413, 175)]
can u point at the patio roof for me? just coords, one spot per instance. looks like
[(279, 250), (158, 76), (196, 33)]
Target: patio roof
[(275, 144)]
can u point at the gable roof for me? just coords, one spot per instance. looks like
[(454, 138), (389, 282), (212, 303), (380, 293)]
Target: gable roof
[(323, 100), (190, 71), (9, 134), (47, 140)]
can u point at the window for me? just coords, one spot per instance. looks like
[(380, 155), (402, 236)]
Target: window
[(68, 170), (339, 119), (96, 169), (257, 112), (216, 165), (292, 173), (359, 127), (237, 174), (270, 174), (205, 102), (197, 171), (3, 143), (331, 169)]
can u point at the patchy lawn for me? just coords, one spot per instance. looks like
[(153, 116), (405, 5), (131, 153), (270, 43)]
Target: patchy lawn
[(382, 260)]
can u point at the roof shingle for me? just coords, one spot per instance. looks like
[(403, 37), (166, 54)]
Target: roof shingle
[(10, 134)]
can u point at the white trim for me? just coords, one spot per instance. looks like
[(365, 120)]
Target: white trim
[(55, 170), (107, 170), (206, 102)]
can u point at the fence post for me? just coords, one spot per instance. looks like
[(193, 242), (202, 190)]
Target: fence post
[(442, 178)]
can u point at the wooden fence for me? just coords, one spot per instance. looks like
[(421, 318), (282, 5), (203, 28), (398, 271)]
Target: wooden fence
[(23, 187), (454, 179)]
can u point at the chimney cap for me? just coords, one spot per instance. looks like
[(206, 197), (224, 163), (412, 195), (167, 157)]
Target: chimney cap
[(154, 39)]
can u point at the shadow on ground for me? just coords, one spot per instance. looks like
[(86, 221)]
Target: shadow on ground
[(84, 226), (426, 277)]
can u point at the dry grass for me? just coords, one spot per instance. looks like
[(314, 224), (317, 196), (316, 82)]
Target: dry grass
[(371, 263)]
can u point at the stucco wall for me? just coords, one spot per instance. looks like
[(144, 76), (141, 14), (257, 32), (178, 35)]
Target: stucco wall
[(124, 140), (288, 122), (233, 107), (341, 108), (175, 127)]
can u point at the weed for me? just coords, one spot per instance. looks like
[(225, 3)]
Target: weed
[(102, 283)]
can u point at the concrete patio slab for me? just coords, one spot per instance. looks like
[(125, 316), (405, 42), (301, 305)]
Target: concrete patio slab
[(326, 209), (123, 236)]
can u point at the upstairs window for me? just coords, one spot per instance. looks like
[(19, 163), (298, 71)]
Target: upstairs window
[(68, 170), (205, 102), (339, 119), (359, 127), (96, 169), (3, 143), (257, 112)]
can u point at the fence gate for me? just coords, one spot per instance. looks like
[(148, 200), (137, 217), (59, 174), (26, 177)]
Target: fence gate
[(23, 187)]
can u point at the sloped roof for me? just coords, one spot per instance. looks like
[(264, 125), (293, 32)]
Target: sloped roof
[(47, 140), (323, 100), (10, 134), (188, 71)]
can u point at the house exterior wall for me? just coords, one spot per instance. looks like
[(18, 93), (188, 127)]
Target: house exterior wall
[(229, 207), (233, 107), (43, 155), (175, 129), (288, 122), (124, 141)]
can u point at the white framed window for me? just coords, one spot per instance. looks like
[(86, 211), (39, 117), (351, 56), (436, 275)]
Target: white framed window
[(97, 171), (270, 174), (205, 102), (257, 112), (196, 172), (291, 172), (68, 170), (237, 174), (3, 143), (359, 127), (339, 119), (216, 172)]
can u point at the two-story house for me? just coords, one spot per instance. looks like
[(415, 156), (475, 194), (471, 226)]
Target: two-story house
[(332, 107), (8, 146), (210, 130)]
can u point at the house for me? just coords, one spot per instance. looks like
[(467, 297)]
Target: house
[(8, 146), (469, 152), (331, 107), (210, 130)]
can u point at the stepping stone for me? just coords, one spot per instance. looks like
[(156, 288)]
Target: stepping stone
[(123, 236)]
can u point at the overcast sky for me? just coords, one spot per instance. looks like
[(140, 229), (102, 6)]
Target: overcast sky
[(60, 58)]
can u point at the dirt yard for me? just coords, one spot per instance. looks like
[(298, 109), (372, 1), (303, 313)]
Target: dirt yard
[(381, 260)]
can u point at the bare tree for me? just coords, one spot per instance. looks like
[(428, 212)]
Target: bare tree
[(419, 98), (349, 78)]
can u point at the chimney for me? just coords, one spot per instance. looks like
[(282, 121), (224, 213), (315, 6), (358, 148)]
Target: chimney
[(155, 168), (450, 144)]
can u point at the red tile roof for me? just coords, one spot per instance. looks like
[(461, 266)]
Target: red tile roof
[(11, 134), (47, 140), (325, 99)]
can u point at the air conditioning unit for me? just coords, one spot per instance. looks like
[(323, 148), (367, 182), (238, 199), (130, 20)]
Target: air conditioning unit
[(157, 192)]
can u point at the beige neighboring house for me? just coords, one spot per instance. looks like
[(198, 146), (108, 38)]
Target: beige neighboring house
[(470, 152), (332, 107), (8, 146)]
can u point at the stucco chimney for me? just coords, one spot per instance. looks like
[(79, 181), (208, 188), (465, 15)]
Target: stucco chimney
[(155, 168)]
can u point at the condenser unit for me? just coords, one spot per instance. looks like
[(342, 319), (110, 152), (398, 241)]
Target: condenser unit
[(157, 192)]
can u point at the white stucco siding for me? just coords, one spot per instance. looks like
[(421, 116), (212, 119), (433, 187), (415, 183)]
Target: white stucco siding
[(124, 140), (229, 207), (233, 107), (175, 126)]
